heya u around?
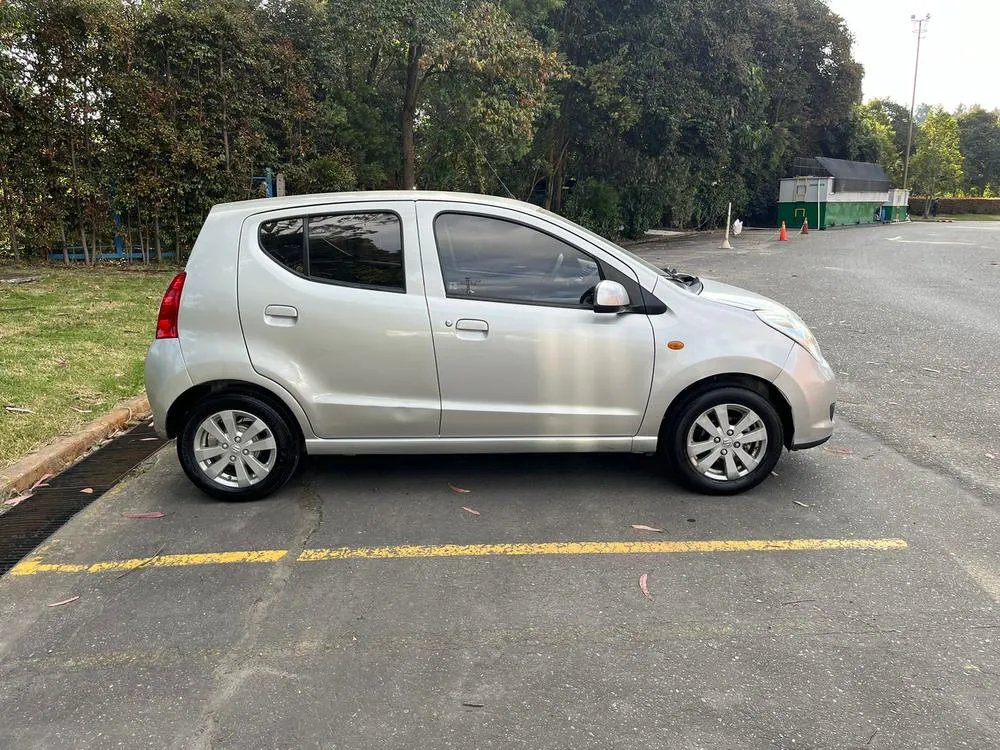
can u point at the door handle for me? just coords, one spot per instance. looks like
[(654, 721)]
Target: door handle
[(472, 324), (281, 315), (281, 311)]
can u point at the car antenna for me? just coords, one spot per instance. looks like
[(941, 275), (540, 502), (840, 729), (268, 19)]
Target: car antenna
[(476, 146)]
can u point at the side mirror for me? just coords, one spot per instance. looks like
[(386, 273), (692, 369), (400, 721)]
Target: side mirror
[(610, 297)]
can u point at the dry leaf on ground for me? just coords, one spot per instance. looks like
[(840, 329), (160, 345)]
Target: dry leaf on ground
[(644, 527), (841, 451), (643, 587), (42, 482), (147, 514), (17, 500), (64, 601), (460, 490), (87, 490), (470, 510)]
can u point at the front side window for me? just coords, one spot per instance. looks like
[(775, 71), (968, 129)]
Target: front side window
[(493, 259), (357, 249)]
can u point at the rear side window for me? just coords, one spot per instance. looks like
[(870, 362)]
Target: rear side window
[(362, 249), (357, 249), (282, 240)]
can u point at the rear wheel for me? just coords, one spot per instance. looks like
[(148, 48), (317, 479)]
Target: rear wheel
[(237, 448), (724, 441)]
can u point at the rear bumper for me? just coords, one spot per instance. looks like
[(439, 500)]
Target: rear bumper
[(811, 390), (166, 379)]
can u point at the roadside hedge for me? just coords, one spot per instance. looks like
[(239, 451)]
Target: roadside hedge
[(957, 205)]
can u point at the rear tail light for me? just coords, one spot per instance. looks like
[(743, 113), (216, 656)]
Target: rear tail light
[(166, 322)]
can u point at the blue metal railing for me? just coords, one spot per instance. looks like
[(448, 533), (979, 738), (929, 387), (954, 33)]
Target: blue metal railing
[(106, 252)]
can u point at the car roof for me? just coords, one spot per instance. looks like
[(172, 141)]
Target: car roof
[(250, 207)]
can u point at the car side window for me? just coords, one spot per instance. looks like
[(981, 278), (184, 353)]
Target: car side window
[(282, 241), (360, 249), (354, 249), (498, 260)]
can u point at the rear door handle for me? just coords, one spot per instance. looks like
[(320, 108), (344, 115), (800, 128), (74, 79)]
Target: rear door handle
[(472, 324), (280, 315)]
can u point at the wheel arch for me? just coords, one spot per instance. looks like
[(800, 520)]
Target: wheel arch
[(187, 401), (750, 382)]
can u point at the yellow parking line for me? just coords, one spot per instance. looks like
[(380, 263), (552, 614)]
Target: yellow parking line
[(596, 548), (34, 566)]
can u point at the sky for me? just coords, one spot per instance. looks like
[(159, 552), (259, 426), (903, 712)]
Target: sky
[(959, 54)]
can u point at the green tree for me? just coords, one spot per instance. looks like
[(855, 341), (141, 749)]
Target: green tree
[(476, 48), (873, 138), (937, 165), (979, 138)]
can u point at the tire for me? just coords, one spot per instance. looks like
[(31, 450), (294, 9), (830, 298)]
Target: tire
[(259, 469), (695, 438)]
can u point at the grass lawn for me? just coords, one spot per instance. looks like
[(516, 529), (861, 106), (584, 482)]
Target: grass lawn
[(71, 347)]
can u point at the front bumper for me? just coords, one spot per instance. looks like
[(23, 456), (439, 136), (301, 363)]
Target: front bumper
[(811, 390)]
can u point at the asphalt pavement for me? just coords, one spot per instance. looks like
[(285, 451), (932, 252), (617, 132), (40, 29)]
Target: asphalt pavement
[(850, 601)]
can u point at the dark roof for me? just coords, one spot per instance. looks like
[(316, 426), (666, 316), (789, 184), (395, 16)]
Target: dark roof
[(852, 176)]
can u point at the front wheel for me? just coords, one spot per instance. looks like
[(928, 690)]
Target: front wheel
[(724, 441), (237, 448)]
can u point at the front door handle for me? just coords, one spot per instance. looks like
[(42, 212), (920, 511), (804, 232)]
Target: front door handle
[(472, 324), (281, 311)]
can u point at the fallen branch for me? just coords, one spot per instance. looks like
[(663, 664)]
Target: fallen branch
[(145, 562)]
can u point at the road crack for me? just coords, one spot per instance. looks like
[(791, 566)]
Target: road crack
[(238, 664)]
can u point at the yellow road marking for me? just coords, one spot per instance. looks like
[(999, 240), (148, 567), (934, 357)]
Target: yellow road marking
[(596, 548), (35, 565)]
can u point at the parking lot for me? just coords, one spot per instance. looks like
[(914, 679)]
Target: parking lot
[(852, 600)]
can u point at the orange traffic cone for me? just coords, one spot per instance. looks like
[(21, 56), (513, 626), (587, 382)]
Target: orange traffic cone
[(805, 226), (783, 235)]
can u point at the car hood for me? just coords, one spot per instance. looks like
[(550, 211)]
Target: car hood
[(736, 297)]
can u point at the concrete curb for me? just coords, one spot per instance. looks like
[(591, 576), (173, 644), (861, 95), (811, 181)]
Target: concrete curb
[(54, 457)]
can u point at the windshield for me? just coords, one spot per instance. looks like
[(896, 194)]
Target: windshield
[(685, 281)]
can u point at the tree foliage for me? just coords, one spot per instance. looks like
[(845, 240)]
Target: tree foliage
[(128, 119), (979, 140), (937, 164)]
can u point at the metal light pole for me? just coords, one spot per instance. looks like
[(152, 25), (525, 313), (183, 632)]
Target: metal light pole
[(921, 27)]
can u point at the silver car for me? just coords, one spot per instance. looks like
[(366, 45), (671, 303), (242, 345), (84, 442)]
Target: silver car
[(420, 322)]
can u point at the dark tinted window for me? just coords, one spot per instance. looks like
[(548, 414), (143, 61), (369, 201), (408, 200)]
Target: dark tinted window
[(282, 240), (486, 258), (364, 249)]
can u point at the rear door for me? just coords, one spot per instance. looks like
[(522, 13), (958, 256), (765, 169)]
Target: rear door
[(332, 306), (520, 350)]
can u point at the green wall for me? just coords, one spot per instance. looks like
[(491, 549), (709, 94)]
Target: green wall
[(897, 213), (838, 214), (793, 213), (831, 214)]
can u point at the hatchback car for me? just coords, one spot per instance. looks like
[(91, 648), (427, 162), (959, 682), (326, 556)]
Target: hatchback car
[(420, 322)]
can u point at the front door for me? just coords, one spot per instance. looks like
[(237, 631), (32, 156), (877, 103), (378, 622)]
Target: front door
[(520, 351), (332, 307)]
